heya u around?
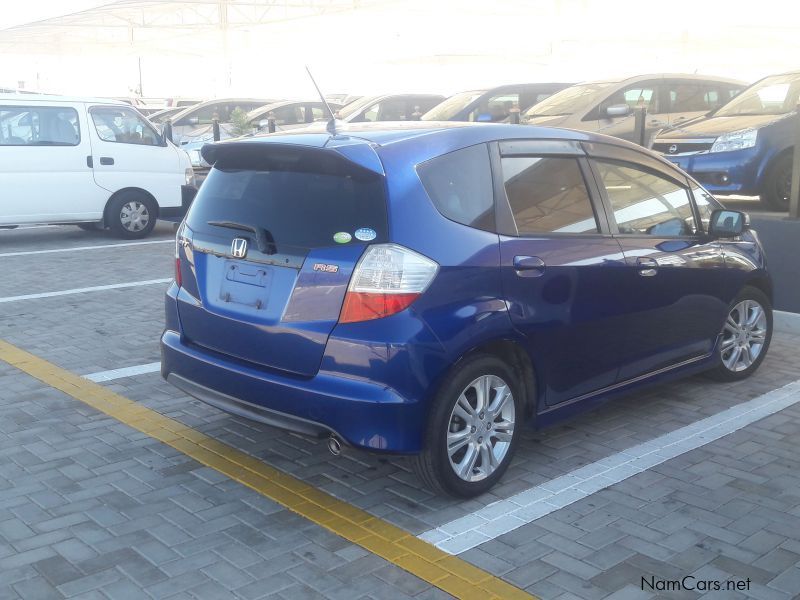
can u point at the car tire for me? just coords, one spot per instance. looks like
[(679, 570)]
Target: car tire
[(462, 425), (131, 215), (778, 184), (745, 336)]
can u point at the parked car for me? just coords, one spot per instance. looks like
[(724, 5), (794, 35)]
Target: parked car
[(194, 124), (343, 99), (492, 105), (88, 162), (288, 114), (427, 289), (393, 107), (162, 115), (746, 146), (608, 106)]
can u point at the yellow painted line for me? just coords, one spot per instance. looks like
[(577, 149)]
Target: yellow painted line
[(444, 571)]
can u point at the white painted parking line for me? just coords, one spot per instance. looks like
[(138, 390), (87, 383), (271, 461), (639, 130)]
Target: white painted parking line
[(525, 507), (103, 376), (79, 248), (97, 288)]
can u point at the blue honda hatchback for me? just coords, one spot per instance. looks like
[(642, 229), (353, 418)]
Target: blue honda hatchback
[(427, 288)]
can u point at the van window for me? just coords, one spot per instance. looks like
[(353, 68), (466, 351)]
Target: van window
[(495, 109), (646, 204), (124, 126), (460, 185), (548, 195), (39, 126)]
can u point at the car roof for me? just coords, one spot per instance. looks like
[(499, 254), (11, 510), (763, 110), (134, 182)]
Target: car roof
[(646, 76), (28, 98), (386, 133)]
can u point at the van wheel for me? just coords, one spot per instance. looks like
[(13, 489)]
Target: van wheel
[(778, 186), (745, 336), (132, 215), (473, 429)]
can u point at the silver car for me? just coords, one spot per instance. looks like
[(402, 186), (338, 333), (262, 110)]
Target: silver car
[(608, 107)]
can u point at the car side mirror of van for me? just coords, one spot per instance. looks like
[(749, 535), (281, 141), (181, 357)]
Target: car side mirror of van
[(262, 124), (728, 223), (194, 120), (618, 110)]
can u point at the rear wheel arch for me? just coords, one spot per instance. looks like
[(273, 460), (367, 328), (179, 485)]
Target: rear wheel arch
[(513, 354)]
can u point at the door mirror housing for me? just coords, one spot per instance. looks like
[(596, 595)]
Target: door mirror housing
[(728, 223), (194, 120), (618, 110)]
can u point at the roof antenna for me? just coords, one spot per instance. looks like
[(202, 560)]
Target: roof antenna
[(331, 126)]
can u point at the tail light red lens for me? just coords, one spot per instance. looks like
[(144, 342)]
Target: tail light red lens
[(386, 280)]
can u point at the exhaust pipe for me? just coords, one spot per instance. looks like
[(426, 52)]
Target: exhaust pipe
[(334, 445)]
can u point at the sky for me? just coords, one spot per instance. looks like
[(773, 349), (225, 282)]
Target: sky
[(441, 46)]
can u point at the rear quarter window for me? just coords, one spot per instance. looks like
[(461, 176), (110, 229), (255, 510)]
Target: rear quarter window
[(460, 186)]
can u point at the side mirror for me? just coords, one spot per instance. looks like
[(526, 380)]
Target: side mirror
[(194, 120), (618, 110), (728, 223), (262, 124)]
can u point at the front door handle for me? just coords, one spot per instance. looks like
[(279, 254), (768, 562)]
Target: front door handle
[(529, 266), (647, 266), (89, 162), (106, 160)]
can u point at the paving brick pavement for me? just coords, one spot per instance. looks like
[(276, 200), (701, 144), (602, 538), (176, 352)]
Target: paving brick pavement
[(90, 508)]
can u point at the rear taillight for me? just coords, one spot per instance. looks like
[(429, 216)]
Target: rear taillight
[(386, 280), (178, 278)]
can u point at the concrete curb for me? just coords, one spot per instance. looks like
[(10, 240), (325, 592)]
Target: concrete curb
[(786, 322)]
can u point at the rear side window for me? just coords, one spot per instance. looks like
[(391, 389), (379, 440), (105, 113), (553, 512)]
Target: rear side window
[(297, 209), (645, 203), (548, 195), (460, 185), (39, 126)]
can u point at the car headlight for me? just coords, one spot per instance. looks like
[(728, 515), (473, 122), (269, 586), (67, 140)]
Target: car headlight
[(189, 176), (737, 140)]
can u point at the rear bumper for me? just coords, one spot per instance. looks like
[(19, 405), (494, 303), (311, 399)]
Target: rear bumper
[(363, 413)]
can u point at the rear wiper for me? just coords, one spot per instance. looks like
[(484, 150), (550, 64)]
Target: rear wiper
[(264, 240)]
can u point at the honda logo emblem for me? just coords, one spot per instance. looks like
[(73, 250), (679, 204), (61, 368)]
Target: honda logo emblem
[(239, 248)]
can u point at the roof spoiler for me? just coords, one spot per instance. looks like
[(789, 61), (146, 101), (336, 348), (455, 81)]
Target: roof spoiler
[(358, 160)]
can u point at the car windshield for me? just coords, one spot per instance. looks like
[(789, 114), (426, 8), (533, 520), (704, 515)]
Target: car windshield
[(452, 106), (355, 107), (776, 95), (566, 101)]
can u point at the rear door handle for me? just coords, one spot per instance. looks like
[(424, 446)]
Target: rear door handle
[(647, 266), (106, 160), (529, 266)]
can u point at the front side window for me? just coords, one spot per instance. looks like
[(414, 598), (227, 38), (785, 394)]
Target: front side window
[(123, 125), (706, 204), (460, 186), (646, 204), (39, 126), (548, 195)]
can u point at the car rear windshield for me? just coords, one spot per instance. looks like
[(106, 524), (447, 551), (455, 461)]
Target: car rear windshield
[(299, 210)]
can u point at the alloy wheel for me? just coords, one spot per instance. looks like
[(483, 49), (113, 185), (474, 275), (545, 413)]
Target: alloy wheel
[(481, 428), (134, 216), (743, 335)]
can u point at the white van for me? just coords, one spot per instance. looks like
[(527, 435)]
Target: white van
[(94, 163)]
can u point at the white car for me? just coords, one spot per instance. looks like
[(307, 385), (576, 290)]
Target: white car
[(94, 163)]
